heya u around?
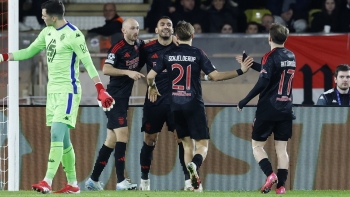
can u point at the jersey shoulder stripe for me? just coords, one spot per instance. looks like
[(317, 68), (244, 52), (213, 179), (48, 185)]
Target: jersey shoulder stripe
[(329, 91), (150, 43), (72, 27), (117, 46), (266, 56)]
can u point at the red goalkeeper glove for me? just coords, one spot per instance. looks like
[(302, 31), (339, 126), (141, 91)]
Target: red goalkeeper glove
[(4, 57), (104, 99)]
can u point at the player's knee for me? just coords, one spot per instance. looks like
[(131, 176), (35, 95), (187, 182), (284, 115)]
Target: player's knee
[(281, 153), (151, 139), (257, 149)]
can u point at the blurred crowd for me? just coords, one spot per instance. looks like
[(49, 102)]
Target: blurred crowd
[(253, 16)]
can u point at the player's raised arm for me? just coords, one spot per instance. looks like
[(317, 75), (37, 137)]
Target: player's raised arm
[(79, 47), (219, 76), (23, 54)]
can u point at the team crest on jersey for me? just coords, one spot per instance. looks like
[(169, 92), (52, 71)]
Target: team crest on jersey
[(62, 36), (136, 48), (121, 120), (77, 35)]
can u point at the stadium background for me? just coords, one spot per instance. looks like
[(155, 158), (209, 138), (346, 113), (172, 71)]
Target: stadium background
[(318, 151)]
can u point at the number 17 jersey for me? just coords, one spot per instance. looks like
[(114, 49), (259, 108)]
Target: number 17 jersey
[(276, 100)]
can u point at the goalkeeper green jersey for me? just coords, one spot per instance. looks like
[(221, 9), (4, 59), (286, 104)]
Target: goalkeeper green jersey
[(65, 47)]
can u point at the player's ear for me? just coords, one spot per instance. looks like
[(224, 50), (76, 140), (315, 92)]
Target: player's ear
[(156, 30), (192, 36)]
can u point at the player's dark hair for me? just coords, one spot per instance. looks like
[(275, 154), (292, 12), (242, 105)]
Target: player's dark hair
[(54, 7), (164, 17), (341, 67), (184, 30), (278, 33)]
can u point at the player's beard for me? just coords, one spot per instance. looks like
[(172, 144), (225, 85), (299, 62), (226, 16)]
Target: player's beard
[(343, 87), (132, 37)]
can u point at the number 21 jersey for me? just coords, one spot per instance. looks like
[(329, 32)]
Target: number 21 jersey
[(184, 64)]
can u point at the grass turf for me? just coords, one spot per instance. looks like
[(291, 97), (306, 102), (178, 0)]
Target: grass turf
[(328, 193)]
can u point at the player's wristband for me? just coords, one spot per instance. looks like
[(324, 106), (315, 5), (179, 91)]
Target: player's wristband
[(99, 87), (5, 56), (206, 77), (239, 71)]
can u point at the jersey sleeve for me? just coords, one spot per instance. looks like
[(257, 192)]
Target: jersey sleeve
[(111, 57), (267, 68), (321, 100), (38, 45), (205, 63), (78, 45)]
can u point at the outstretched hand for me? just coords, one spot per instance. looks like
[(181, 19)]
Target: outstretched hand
[(153, 93), (135, 75), (246, 64)]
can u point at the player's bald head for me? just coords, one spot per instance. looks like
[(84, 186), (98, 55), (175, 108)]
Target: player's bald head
[(130, 22)]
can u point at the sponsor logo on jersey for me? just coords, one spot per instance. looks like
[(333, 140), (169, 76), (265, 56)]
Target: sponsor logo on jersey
[(131, 64)]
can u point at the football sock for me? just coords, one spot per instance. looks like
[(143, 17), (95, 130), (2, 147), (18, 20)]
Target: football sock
[(182, 160), (266, 166), (119, 155), (197, 159), (55, 156), (282, 177), (101, 162), (145, 160), (66, 139), (68, 163), (48, 181)]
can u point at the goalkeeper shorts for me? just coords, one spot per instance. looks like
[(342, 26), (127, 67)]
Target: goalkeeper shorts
[(62, 107)]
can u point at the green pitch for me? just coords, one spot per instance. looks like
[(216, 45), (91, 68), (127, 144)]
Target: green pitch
[(327, 193)]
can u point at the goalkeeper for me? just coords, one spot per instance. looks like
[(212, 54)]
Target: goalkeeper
[(65, 47)]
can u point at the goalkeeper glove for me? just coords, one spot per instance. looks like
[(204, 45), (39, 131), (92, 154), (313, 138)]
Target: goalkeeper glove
[(4, 57), (104, 99)]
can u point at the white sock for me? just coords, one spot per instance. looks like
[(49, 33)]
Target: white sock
[(48, 181), (74, 184)]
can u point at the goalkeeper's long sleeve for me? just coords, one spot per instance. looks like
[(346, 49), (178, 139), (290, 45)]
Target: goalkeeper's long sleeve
[(89, 65), (26, 53)]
